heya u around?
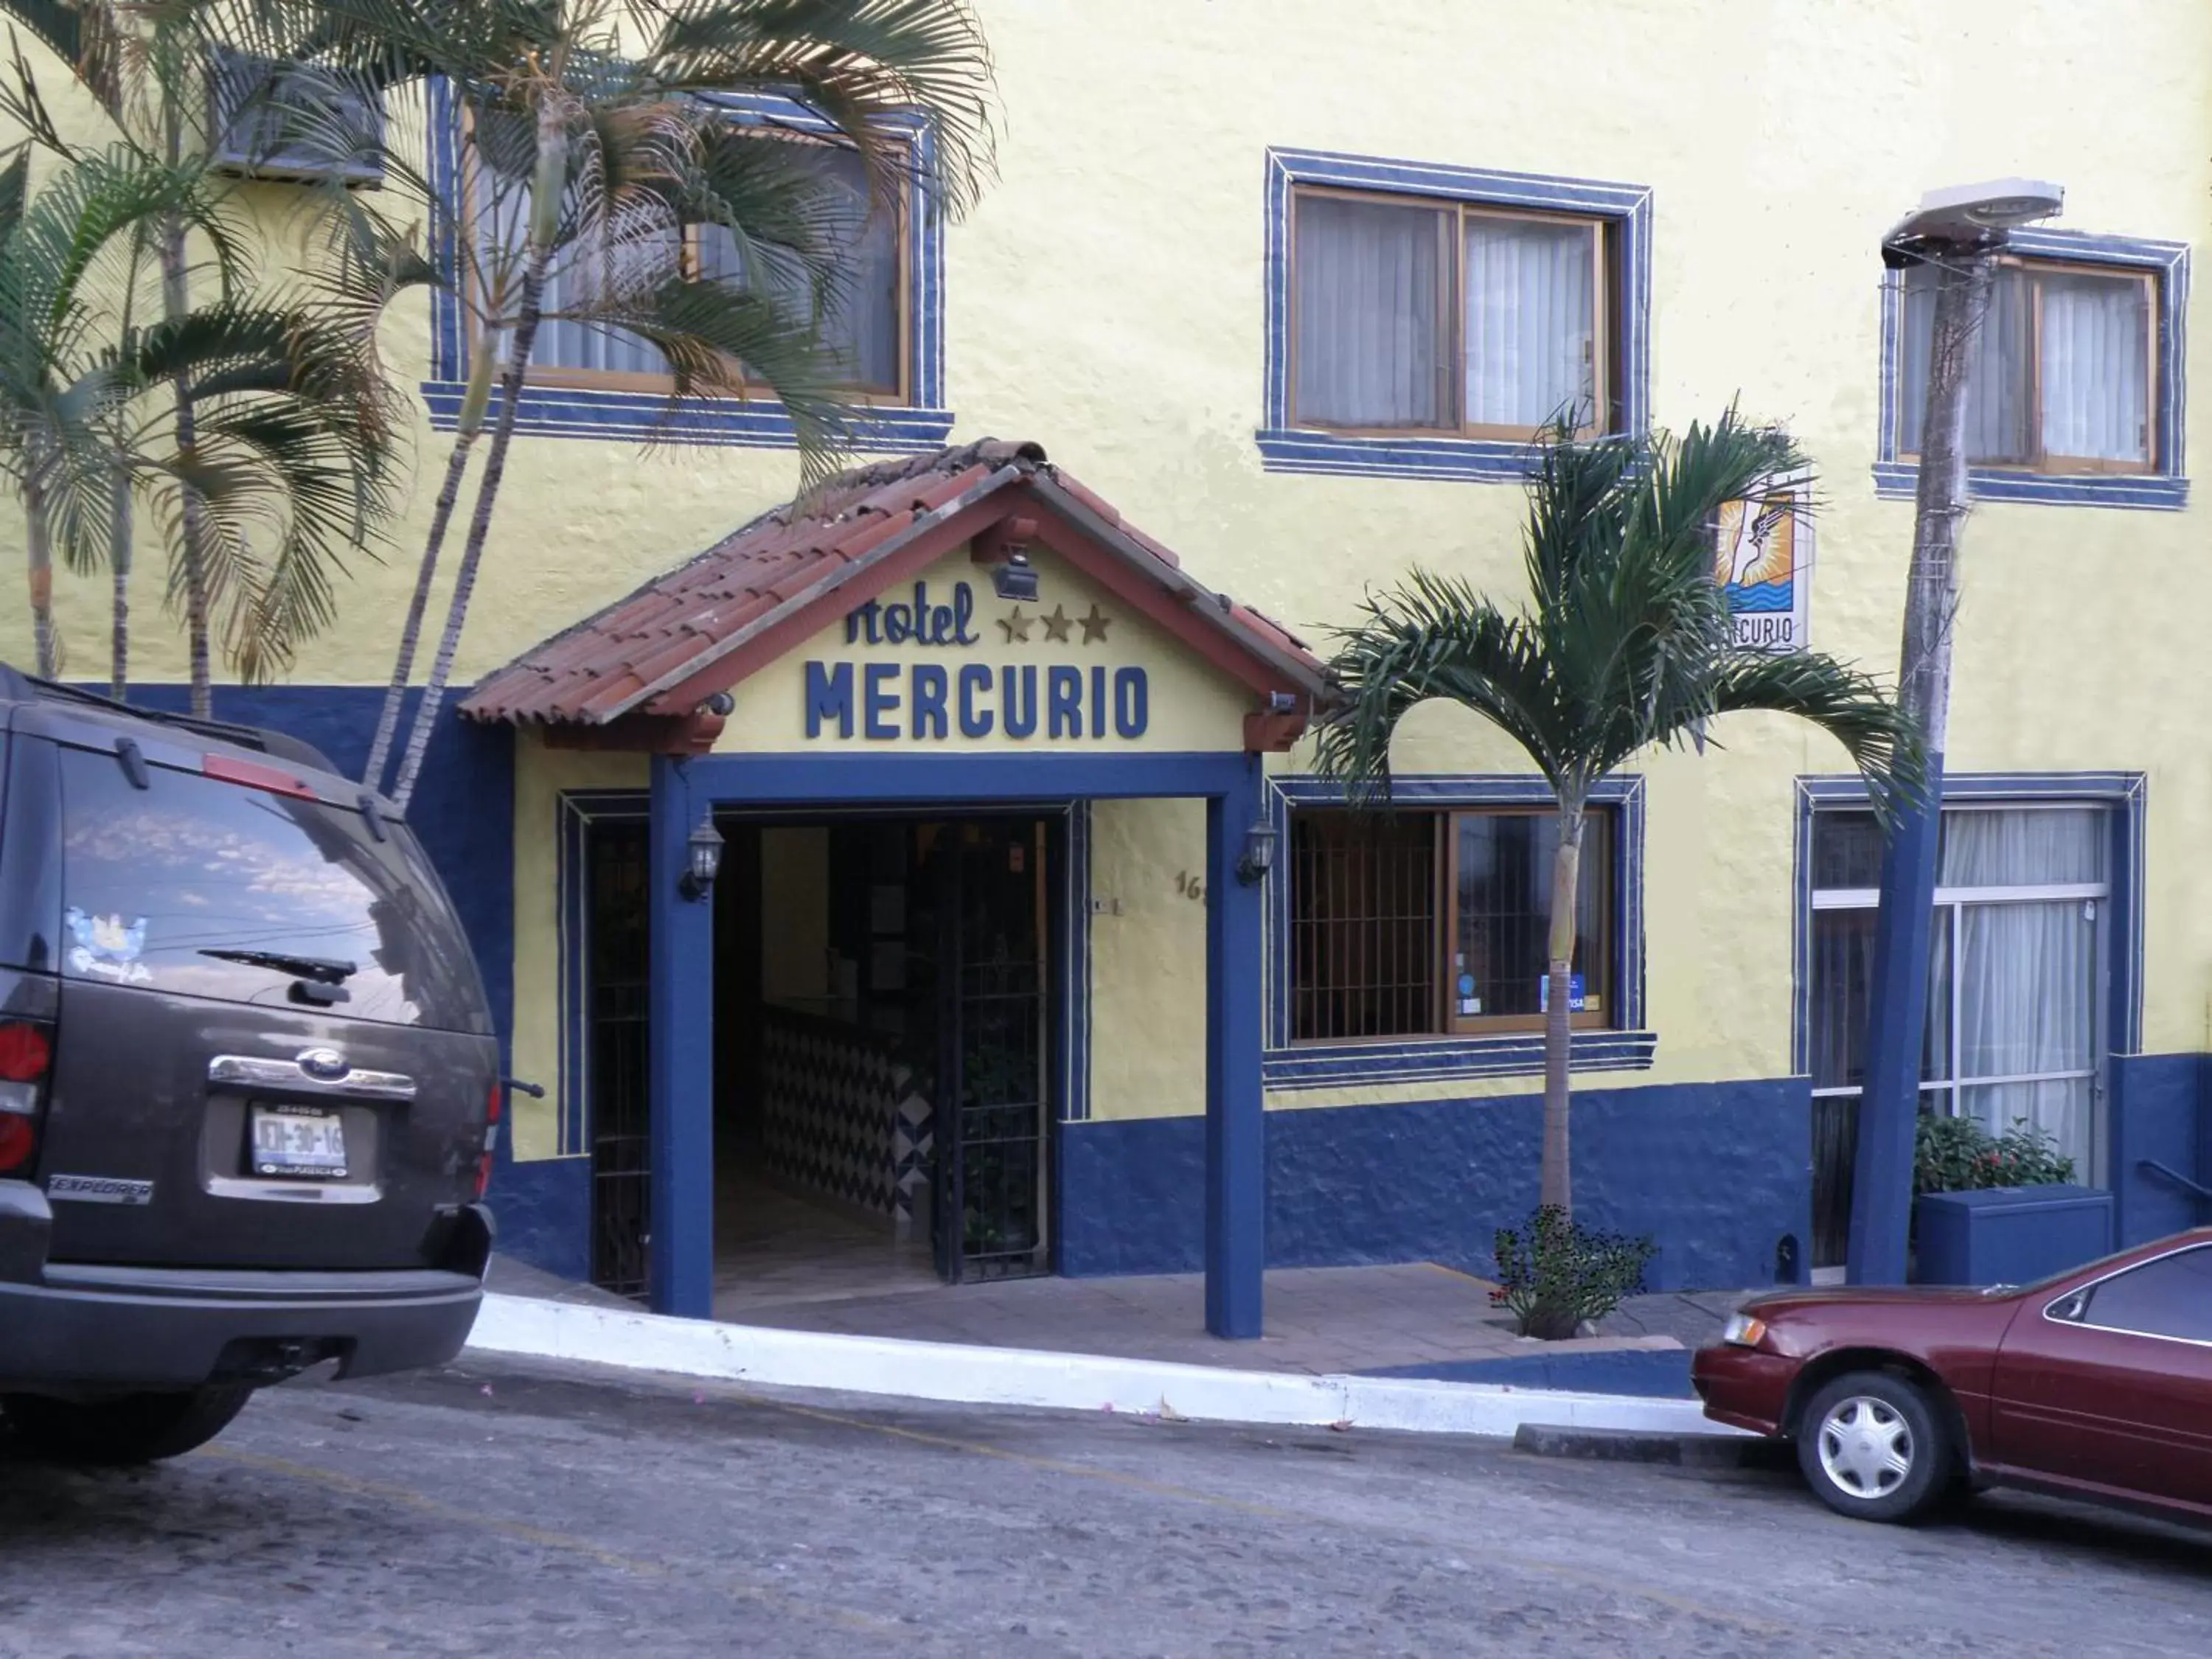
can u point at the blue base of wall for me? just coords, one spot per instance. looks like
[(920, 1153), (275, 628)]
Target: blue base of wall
[(1662, 1373), (1718, 1173), (2162, 1113)]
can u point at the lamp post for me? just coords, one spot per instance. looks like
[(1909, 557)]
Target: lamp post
[(1958, 234)]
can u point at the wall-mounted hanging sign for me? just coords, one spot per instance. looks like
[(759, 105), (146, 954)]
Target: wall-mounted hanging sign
[(1764, 563)]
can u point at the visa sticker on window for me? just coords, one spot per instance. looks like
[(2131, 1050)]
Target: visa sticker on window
[(1574, 993)]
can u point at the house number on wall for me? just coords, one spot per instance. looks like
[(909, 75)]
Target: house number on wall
[(1190, 886)]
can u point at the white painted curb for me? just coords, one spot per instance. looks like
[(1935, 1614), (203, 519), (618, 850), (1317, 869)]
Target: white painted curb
[(1068, 1382)]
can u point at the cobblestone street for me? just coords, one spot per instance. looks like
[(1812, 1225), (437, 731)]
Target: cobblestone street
[(539, 1512)]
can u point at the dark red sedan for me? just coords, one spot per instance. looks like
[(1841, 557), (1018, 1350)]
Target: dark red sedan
[(2094, 1384)]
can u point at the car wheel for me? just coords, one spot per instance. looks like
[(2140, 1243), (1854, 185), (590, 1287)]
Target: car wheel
[(1874, 1447), (131, 1428)]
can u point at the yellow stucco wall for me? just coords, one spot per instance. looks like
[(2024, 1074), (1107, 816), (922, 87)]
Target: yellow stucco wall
[(1106, 300)]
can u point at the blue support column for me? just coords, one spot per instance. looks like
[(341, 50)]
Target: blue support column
[(681, 1010), (1889, 1104), (1235, 1123)]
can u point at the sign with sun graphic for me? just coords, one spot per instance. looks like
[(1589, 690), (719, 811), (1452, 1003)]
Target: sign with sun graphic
[(1763, 560)]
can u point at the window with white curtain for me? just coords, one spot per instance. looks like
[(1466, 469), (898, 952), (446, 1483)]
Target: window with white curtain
[(2063, 370), (2016, 970), (1416, 315), (864, 323)]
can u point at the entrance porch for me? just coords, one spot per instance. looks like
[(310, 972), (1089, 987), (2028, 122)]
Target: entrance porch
[(901, 651)]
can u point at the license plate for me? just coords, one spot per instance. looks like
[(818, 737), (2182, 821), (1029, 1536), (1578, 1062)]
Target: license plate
[(298, 1141)]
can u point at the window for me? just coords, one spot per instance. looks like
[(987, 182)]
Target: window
[(1412, 315), (2170, 1297), (173, 886), (1416, 923), (2064, 369), (867, 328), (2015, 970), (257, 108)]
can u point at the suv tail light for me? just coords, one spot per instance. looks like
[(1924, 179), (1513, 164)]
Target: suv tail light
[(492, 1104), (26, 1052)]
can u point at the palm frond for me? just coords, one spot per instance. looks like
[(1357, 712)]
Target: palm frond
[(1435, 638), (1882, 739), (866, 65)]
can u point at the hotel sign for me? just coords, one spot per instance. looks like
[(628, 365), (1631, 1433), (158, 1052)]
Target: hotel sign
[(1763, 560), (939, 687)]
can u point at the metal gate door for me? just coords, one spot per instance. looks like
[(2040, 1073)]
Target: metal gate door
[(993, 1063), (619, 967)]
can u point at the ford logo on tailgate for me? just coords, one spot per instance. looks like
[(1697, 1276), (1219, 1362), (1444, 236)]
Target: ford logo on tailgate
[(327, 1063)]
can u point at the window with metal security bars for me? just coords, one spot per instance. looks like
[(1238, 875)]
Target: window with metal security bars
[(1363, 950), (1416, 924)]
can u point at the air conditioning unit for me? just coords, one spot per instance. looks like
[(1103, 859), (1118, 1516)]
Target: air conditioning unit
[(293, 123)]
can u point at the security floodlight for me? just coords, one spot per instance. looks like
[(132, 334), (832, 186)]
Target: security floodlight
[(1977, 212)]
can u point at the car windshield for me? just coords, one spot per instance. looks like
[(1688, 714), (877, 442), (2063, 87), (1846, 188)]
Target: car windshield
[(210, 889)]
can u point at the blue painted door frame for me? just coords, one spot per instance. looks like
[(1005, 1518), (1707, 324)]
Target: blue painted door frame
[(681, 1002)]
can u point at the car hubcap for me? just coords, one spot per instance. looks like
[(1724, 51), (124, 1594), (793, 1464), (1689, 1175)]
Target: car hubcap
[(1865, 1447)]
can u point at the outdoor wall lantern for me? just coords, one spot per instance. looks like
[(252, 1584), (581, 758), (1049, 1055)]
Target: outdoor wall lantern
[(702, 859), (1015, 578), (1259, 853)]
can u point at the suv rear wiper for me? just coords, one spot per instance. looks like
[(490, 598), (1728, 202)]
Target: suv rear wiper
[(321, 970)]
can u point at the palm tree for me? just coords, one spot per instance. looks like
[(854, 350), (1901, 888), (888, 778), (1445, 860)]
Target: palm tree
[(604, 153), (1628, 646), (287, 446)]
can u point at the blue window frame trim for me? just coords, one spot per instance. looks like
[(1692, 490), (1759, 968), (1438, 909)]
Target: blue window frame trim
[(1286, 448), (603, 412), (2122, 793), (1287, 1067), (2167, 487)]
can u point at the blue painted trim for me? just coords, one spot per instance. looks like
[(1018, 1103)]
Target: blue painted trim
[(1075, 969), (1649, 1373), (2165, 490), (553, 412), (1042, 779), (576, 811), (2125, 793), (1236, 1115), (1285, 448), (680, 1002), (1444, 1060), (1289, 1065)]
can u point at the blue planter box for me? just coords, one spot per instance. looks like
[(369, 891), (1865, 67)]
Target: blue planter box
[(2008, 1235)]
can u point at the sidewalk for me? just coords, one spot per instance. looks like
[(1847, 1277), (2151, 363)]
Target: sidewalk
[(1415, 1320)]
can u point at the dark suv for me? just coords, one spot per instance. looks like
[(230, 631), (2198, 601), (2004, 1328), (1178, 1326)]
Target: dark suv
[(248, 1082)]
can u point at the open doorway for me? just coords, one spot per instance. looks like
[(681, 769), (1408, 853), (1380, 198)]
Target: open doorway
[(884, 1038)]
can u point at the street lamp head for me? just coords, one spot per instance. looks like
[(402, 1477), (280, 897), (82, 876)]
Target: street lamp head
[(1972, 215)]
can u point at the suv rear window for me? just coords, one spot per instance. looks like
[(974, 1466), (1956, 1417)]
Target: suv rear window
[(158, 881)]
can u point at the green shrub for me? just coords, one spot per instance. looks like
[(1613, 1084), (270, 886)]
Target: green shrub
[(1958, 1155), (1555, 1273)]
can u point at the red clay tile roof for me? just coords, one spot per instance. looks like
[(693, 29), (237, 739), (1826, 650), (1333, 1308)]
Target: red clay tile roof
[(675, 627)]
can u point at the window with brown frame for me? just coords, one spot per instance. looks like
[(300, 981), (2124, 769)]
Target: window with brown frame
[(868, 327), (2065, 369), (1423, 923), (1412, 315)]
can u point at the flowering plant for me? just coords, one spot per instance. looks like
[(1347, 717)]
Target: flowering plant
[(1959, 1155)]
